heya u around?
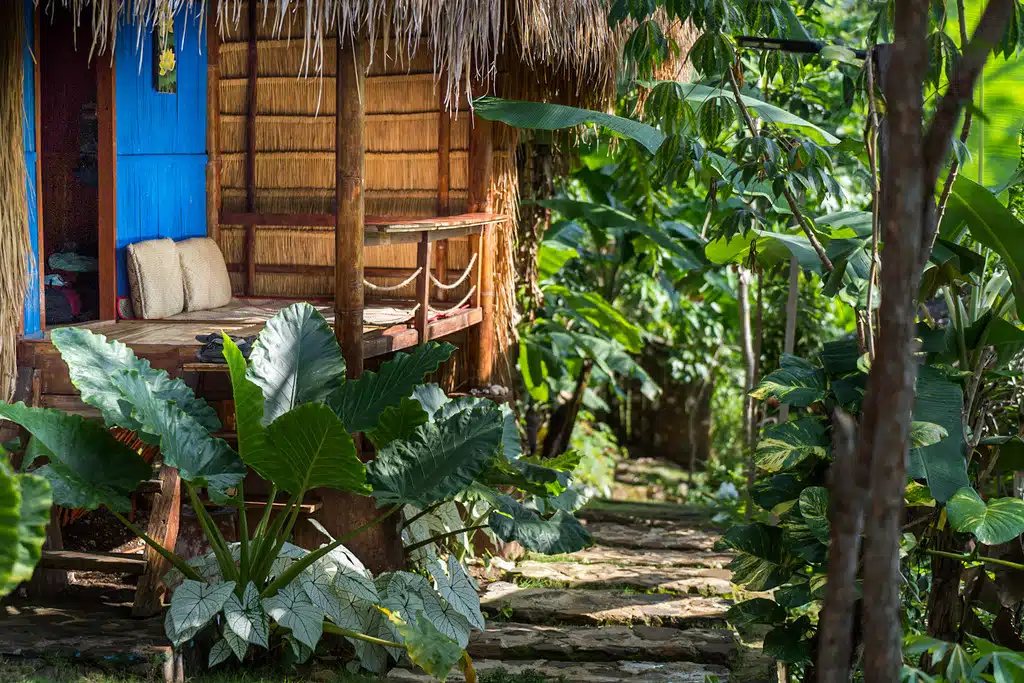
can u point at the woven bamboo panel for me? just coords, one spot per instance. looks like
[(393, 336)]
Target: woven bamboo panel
[(316, 170), (282, 57), (292, 95), (384, 133), (408, 203)]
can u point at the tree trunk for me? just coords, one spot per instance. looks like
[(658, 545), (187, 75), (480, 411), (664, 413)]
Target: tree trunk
[(944, 598), (792, 301), (889, 398), (536, 182), (749, 366)]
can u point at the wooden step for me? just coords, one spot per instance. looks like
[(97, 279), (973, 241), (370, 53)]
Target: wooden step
[(109, 563)]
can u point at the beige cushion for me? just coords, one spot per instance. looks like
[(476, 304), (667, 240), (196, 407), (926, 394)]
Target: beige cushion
[(155, 279), (204, 274)]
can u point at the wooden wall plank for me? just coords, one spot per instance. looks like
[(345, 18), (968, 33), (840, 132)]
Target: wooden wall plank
[(106, 112)]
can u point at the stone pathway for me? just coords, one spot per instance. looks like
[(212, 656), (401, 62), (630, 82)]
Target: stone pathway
[(645, 604)]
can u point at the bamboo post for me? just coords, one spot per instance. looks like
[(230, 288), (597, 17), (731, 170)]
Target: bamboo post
[(423, 288), (212, 126), (106, 115), (444, 150), (481, 157), (350, 207), (253, 59)]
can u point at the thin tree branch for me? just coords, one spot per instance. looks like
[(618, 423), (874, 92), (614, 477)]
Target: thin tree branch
[(441, 537), (961, 87), (876, 198), (965, 130), (970, 557), (786, 192)]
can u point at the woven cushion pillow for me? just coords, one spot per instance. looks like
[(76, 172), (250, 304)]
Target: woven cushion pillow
[(204, 274), (155, 279)]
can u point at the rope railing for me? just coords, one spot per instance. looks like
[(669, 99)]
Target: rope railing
[(392, 288), (469, 269), (465, 300)]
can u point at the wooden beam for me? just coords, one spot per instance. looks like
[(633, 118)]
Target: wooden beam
[(40, 243), (350, 204), (301, 269), (213, 201), (380, 223), (164, 517), (423, 289), (253, 58), (481, 160), (106, 114)]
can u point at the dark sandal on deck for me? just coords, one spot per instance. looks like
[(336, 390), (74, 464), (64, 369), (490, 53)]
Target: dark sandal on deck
[(213, 347)]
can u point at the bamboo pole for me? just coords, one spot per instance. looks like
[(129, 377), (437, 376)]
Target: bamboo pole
[(106, 114), (444, 150), (481, 158), (348, 236), (213, 200), (250, 151), (423, 289)]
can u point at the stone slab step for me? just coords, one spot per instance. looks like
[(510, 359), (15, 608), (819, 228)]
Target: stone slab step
[(511, 641), (597, 576), (110, 563), (601, 607), (632, 557), (584, 672), (665, 537), (628, 512)]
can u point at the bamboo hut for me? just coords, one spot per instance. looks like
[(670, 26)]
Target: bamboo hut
[(328, 149)]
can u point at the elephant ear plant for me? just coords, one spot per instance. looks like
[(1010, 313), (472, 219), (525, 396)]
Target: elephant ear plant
[(295, 416)]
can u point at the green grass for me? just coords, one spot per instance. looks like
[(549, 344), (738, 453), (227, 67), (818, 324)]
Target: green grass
[(64, 671)]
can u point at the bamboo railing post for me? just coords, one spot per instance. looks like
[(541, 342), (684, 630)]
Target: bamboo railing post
[(444, 149), (253, 58), (350, 205), (212, 126), (106, 115), (481, 158), (423, 288)]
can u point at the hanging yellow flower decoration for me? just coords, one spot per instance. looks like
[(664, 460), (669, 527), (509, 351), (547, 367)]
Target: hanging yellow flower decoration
[(167, 61)]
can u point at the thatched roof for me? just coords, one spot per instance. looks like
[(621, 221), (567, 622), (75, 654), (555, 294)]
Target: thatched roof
[(467, 38)]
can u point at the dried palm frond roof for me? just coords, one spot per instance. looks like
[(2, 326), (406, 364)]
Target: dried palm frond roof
[(466, 37)]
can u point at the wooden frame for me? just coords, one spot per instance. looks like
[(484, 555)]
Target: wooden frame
[(481, 157), (40, 246), (253, 59), (106, 112), (213, 164)]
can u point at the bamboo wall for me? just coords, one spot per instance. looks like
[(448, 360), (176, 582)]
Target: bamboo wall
[(295, 141)]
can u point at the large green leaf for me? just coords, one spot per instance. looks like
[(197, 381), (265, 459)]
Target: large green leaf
[(790, 443), (253, 445), (24, 513), (296, 359), (697, 95), (552, 256), (199, 458), (617, 221), (762, 561), (593, 309), (562, 533), (439, 460), (796, 382), (993, 522), (454, 584), (814, 510), (756, 611), (990, 223), (315, 450), (772, 248), (92, 362), (942, 464), (359, 403), (544, 116), (88, 466), (398, 422)]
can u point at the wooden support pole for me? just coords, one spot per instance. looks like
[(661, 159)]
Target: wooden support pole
[(250, 150), (164, 517), (106, 115), (212, 125), (423, 289), (444, 150), (481, 160), (350, 206)]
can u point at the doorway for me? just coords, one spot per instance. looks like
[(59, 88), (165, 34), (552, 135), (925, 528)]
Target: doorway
[(69, 169)]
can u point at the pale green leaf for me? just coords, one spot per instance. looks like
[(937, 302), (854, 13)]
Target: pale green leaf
[(292, 609), (456, 587), (246, 617), (814, 510), (194, 604), (762, 561), (790, 443), (219, 653), (427, 647), (796, 382)]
